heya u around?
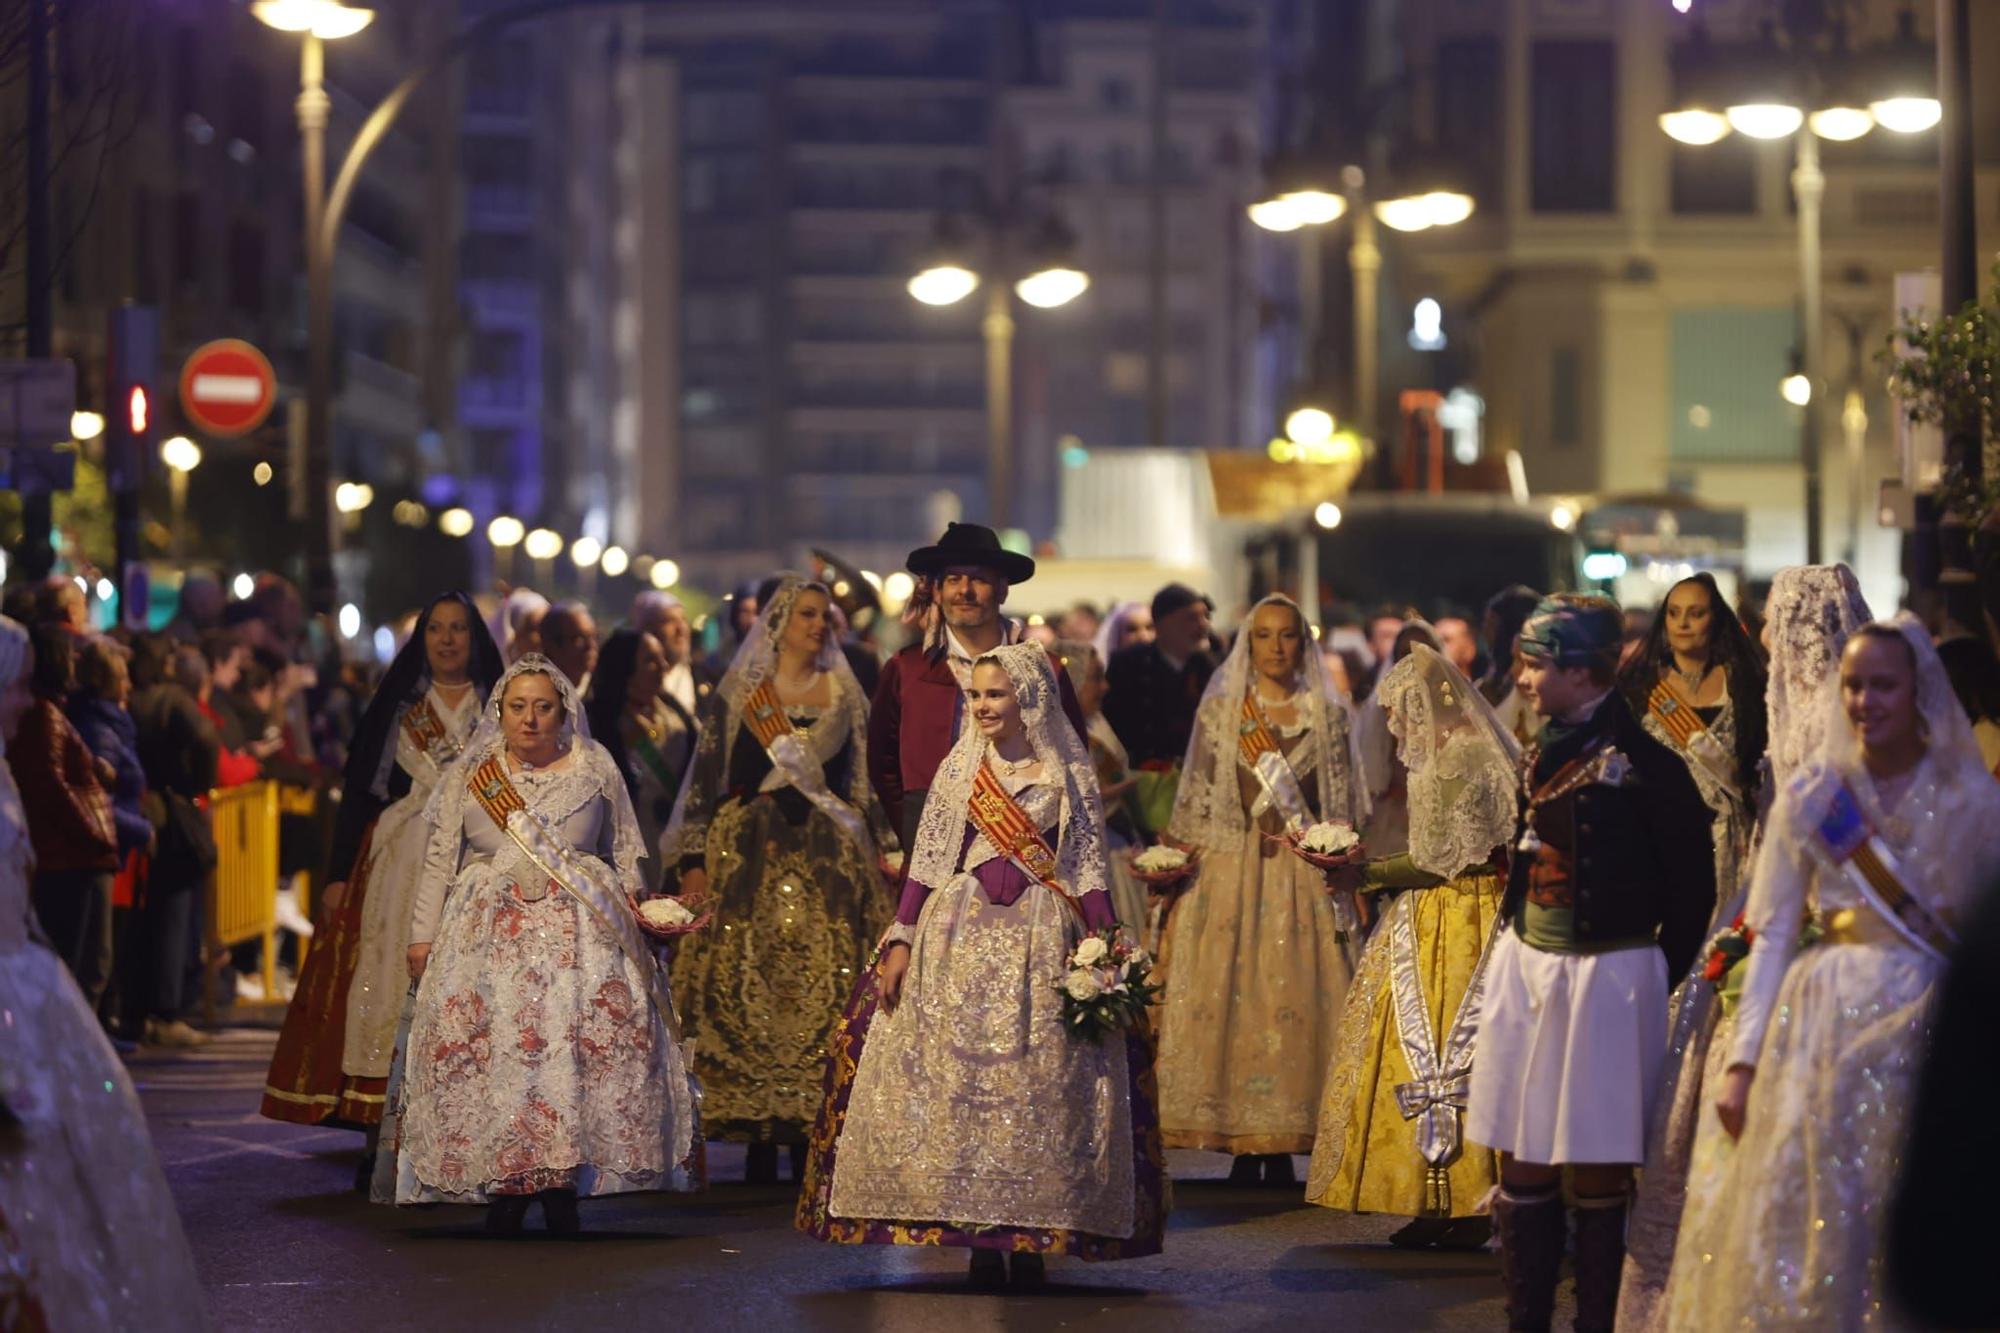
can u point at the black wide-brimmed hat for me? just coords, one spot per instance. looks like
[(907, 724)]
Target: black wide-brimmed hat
[(971, 544)]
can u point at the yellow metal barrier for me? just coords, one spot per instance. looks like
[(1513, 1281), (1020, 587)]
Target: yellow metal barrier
[(243, 894)]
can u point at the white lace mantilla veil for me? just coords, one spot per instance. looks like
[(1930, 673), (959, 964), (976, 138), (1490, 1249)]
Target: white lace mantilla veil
[(756, 661), (592, 771), (1464, 767), (1962, 793), (1065, 759), (1811, 612), (1208, 806)]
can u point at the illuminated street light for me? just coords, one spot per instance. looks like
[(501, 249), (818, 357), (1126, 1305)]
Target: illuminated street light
[(586, 551), (506, 531), (261, 474), (1315, 208), (1695, 126), (350, 621), (1052, 287), (351, 497), (1562, 518), (898, 588), (85, 425), (328, 20), (1277, 215), (665, 574), (243, 585), (614, 561), (944, 284), (1796, 389), (180, 453), (1327, 515), (543, 544), (1309, 426), (456, 522), (1841, 124), (1907, 115), (1766, 120)]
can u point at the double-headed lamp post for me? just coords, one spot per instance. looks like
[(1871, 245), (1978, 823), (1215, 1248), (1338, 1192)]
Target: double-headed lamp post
[(1304, 205), (319, 21), (182, 456), (1050, 280), (1805, 95)]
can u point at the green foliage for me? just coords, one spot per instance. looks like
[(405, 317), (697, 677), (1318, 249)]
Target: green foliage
[(1942, 373)]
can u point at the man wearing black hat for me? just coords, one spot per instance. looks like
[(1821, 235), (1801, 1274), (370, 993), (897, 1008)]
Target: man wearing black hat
[(919, 703), (1156, 687), (1607, 903)]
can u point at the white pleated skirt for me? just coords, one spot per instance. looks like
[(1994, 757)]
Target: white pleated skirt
[(1570, 1053)]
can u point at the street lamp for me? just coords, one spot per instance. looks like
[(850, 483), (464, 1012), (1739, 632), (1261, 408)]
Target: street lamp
[(1805, 92), (665, 574), (85, 425), (614, 561), (456, 522), (1047, 280), (182, 456), (320, 21)]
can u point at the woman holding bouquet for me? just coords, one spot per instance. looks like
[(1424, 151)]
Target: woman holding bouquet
[(1889, 837), (958, 1108), (544, 1058), (775, 832), (1809, 616), (1391, 1138), (333, 1058), (1259, 961)]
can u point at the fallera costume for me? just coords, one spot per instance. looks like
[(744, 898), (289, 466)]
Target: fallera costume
[(778, 809), (1837, 1030), (968, 1115), (543, 1051), (1257, 958), (1390, 1132)]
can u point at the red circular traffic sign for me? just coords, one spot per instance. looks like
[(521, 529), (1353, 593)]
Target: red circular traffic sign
[(227, 388)]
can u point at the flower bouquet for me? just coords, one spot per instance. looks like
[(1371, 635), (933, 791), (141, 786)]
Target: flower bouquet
[(669, 918), (1728, 950), (891, 864), (1327, 845), (1161, 868), (1107, 985)]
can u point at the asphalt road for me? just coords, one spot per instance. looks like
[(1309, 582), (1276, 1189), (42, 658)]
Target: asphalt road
[(282, 1244)]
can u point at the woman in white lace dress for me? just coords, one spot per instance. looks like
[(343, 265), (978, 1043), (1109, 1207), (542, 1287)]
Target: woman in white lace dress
[(1811, 612), (544, 1057), (1886, 841), (1256, 955), (959, 1110), (89, 1237)]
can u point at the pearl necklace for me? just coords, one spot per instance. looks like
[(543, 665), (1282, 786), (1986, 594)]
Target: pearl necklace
[(1012, 766)]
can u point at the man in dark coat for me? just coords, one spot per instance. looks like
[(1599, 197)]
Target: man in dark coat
[(1608, 898), (1155, 690), (920, 701)]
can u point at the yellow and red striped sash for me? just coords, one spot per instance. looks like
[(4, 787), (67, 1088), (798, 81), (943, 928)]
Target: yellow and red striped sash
[(494, 792), (423, 726), (1676, 714), (1253, 734), (1002, 822), (765, 715)]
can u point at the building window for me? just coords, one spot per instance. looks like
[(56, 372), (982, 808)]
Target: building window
[(1574, 127), (1727, 364), (1565, 398), (1720, 178), (1115, 93), (1468, 109)]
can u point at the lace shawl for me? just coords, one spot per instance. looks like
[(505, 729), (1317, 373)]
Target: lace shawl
[(1808, 617), (1065, 760), (1463, 766), (1208, 805), (845, 721)]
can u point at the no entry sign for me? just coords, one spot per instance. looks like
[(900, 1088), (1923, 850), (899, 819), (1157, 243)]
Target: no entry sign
[(227, 388)]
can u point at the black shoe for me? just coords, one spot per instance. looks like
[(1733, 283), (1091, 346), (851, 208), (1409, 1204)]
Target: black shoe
[(798, 1155), (505, 1214), (760, 1164), (1028, 1272), (559, 1213), (989, 1270), (1466, 1233), (1420, 1233), (1247, 1169), (364, 1174), (1278, 1169)]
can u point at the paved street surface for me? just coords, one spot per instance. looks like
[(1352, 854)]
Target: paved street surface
[(283, 1244)]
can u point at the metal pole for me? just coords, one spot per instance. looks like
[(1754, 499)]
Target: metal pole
[(177, 482), (1312, 300), (1364, 259), (36, 556), (1808, 188), (1959, 285), (314, 106), (998, 327)]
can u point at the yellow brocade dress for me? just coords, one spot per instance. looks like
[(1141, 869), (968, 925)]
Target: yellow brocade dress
[(1366, 1158), (1257, 969)]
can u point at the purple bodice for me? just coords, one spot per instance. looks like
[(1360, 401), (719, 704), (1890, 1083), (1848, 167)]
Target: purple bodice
[(1003, 882)]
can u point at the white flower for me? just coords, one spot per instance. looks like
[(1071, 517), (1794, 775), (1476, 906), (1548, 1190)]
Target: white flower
[(1162, 858), (1092, 950), (1082, 984), (665, 912), (1328, 838)]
